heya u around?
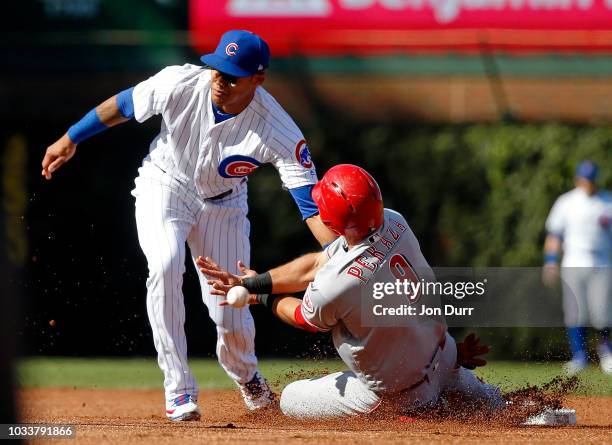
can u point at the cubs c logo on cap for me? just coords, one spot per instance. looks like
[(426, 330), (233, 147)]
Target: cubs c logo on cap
[(237, 166), (302, 154), (231, 49)]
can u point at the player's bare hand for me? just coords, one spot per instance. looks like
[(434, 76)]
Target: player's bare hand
[(57, 154), (221, 280), (468, 351), (245, 271), (550, 274)]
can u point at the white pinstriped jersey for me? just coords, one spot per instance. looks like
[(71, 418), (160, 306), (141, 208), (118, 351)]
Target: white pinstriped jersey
[(217, 156)]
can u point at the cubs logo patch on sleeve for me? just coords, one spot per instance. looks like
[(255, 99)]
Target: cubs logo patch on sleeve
[(237, 166), (302, 154)]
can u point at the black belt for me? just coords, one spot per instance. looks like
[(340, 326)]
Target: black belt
[(221, 195), (225, 193), (212, 198)]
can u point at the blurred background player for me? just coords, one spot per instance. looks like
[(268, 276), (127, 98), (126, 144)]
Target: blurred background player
[(580, 226), (413, 365), (218, 125)]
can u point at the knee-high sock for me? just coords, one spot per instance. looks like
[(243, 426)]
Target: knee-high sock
[(605, 337), (577, 342)]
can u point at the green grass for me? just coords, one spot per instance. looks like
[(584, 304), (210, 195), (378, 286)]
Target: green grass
[(513, 375), (143, 373)]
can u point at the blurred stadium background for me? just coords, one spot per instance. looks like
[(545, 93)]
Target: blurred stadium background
[(472, 116)]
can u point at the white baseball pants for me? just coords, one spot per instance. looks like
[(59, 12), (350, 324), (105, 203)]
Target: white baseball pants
[(168, 215), (587, 296), (343, 394)]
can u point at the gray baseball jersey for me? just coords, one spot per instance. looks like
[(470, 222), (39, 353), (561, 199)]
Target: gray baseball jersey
[(384, 358)]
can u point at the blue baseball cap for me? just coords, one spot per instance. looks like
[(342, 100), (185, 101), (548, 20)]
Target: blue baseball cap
[(587, 170), (239, 53)]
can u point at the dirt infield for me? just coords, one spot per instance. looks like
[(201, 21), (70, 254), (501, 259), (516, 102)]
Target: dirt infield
[(126, 417)]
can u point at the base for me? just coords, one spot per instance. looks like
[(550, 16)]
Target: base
[(553, 417)]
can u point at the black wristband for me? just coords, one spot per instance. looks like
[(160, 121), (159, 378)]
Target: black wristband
[(259, 284), (267, 300)]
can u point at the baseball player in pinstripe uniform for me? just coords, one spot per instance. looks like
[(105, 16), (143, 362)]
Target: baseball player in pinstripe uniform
[(218, 125), (412, 365)]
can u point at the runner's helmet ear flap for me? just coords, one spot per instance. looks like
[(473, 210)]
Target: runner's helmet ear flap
[(349, 201)]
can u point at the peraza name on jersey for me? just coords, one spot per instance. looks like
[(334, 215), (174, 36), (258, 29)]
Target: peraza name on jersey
[(365, 265)]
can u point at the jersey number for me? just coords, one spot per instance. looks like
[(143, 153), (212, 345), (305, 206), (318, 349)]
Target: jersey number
[(402, 270)]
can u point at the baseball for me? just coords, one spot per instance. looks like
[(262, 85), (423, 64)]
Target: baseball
[(238, 296)]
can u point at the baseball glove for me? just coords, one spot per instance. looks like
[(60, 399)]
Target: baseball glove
[(468, 351)]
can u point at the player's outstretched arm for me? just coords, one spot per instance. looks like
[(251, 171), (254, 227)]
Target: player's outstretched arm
[(310, 213), (296, 275), (287, 308), (220, 279), (109, 113), (293, 276), (323, 235)]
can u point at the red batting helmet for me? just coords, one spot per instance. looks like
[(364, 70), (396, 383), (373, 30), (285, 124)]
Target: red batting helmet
[(349, 201)]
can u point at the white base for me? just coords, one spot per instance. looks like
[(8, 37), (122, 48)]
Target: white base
[(553, 417)]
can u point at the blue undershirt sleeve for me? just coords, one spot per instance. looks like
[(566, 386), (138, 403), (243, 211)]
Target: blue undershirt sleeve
[(90, 124), (303, 199), (125, 103)]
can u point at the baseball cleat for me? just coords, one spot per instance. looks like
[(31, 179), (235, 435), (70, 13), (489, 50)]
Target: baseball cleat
[(256, 393), (574, 366), (553, 417), (183, 408), (605, 358)]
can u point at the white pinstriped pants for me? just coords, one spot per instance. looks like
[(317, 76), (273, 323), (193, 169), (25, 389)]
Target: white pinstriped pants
[(168, 215)]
